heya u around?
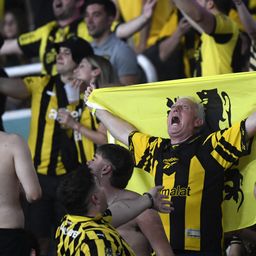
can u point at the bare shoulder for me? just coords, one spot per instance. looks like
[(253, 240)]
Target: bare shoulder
[(11, 142), (10, 138)]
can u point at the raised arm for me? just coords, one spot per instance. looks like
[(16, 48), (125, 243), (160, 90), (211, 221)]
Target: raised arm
[(25, 169), (154, 232), (250, 125), (119, 128), (10, 46), (13, 87), (126, 210), (127, 29), (246, 18), (170, 44), (98, 137), (197, 13)]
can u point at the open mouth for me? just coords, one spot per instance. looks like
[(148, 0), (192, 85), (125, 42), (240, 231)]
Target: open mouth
[(175, 120)]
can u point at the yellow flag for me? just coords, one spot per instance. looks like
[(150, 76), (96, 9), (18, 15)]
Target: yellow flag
[(226, 98)]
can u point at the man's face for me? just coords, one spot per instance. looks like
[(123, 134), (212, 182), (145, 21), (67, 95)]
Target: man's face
[(64, 61), (182, 119), (97, 165), (64, 9), (97, 20)]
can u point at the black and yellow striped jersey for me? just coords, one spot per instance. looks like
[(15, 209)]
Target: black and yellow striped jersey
[(85, 147), (40, 42), (46, 137), (78, 236), (252, 60), (218, 53), (192, 174)]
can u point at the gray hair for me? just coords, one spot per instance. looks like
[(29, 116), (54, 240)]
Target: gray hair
[(198, 106)]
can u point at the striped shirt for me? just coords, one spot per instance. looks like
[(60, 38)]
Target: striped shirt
[(79, 235), (252, 61), (46, 137), (40, 42), (192, 174)]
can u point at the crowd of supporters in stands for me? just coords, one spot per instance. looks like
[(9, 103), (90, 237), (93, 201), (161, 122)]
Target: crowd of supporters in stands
[(181, 38)]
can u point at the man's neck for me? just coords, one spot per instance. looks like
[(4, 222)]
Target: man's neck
[(66, 78), (112, 193), (66, 22), (102, 39), (179, 140)]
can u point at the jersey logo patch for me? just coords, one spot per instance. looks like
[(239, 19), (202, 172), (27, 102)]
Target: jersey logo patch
[(177, 191), (170, 162)]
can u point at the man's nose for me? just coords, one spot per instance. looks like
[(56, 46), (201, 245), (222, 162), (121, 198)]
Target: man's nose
[(175, 108)]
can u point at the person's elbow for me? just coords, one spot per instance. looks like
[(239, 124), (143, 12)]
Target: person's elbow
[(34, 195)]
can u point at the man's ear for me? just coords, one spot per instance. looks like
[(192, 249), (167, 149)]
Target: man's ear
[(106, 169), (198, 122), (94, 199), (210, 4)]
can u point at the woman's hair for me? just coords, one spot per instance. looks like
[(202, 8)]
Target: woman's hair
[(20, 19), (106, 77)]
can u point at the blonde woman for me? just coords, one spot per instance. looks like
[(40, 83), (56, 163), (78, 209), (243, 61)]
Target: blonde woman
[(87, 130)]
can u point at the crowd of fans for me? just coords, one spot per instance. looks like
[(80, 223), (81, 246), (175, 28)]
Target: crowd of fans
[(95, 43)]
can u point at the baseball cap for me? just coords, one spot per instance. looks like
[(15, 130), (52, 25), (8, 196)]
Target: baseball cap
[(79, 48)]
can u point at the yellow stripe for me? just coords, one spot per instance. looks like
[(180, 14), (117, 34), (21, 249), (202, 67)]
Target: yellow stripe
[(192, 221), (168, 183)]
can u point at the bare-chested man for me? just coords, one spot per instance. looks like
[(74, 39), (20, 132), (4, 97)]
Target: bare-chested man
[(17, 175), (113, 165)]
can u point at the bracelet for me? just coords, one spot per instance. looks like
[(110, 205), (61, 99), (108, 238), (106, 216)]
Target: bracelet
[(151, 199)]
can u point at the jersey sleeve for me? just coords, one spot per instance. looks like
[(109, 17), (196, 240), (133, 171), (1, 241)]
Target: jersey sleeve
[(35, 83), (139, 143), (30, 42), (229, 145), (224, 30)]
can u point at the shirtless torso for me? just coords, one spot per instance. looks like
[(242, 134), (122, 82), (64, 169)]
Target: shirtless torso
[(16, 174)]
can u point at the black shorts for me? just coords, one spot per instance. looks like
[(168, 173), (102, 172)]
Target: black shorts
[(42, 217), (14, 242)]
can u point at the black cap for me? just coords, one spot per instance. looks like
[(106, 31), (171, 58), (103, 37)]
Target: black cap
[(79, 48)]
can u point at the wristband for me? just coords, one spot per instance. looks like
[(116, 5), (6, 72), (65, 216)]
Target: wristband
[(235, 240), (151, 199)]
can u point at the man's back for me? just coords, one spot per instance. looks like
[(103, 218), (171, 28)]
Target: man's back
[(12, 173)]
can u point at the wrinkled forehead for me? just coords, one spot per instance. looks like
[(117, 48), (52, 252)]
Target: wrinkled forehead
[(186, 101)]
